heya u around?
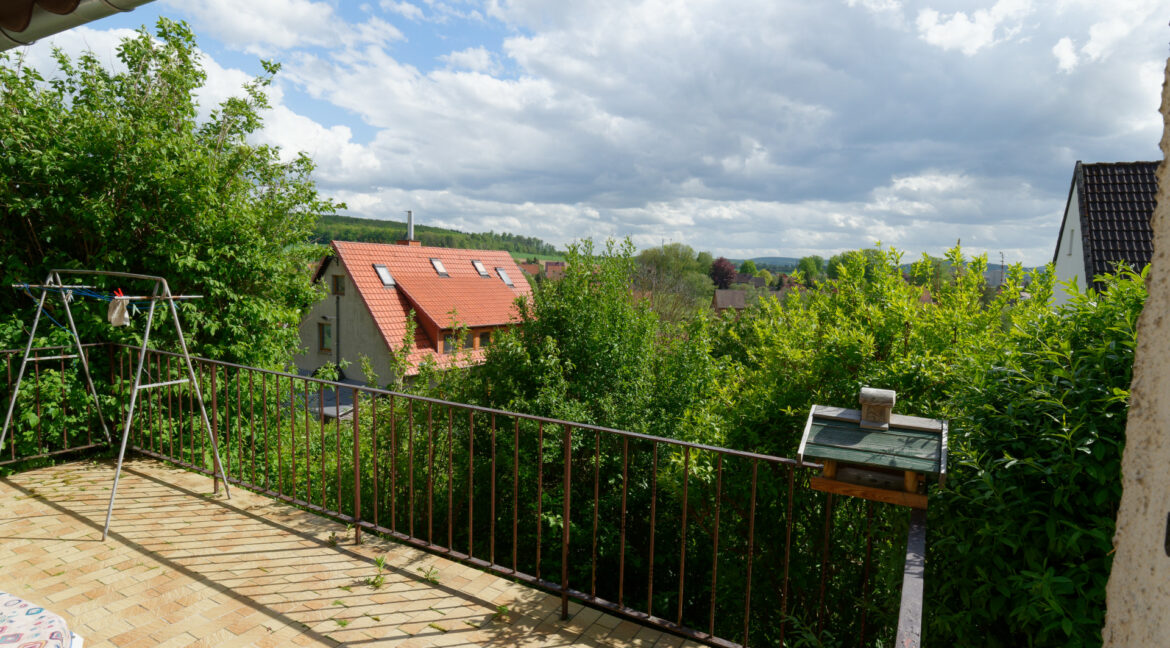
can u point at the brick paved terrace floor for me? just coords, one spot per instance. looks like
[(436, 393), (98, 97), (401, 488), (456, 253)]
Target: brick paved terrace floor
[(183, 567)]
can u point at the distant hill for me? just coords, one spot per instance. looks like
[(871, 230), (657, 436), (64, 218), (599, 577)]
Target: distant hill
[(777, 261), (369, 230), (772, 264)]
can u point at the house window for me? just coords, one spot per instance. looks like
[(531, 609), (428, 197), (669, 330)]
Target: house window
[(324, 336), (384, 275), (449, 344), (440, 268), (485, 339), (504, 275), (338, 284), (479, 267), (469, 341), (1071, 231)]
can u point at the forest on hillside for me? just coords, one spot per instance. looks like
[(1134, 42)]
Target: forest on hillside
[(350, 228)]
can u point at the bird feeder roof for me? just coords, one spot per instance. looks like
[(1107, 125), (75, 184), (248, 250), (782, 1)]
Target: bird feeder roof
[(911, 442)]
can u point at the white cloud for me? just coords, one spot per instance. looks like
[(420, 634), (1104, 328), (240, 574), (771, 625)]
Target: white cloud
[(223, 83), (932, 182), (1066, 54), (264, 27), (404, 9), (1121, 18), (877, 6), (969, 34), (103, 44), (475, 59), (613, 121), (338, 158), (925, 212), (747, 132)]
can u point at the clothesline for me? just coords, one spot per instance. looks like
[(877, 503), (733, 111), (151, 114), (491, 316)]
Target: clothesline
[(87, 291), (90, 291)]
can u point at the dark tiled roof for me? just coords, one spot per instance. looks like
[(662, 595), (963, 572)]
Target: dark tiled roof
[(1117, 200), (736, 299), (745, 278)]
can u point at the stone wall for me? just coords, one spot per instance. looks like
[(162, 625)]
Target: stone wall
[(1138, 596)]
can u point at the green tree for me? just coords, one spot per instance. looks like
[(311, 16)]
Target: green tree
[(113, 171), (558, 362), (812, 268), (722, 272), (674, 279), (932, 272), (873, 257), (704, 260), (748, 267), (369, 230), (622, 366)]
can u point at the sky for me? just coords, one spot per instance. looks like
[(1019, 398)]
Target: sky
[(745, 128)]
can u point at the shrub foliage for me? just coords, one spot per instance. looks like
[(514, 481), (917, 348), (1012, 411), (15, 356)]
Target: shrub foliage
[(114, 171)]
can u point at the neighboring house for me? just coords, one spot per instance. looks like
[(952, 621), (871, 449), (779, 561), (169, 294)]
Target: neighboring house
[(745, 278), (554, 269), (786, 283), (530, 268), (738, 300), (1106, 220), (373, 287), (728, 298)]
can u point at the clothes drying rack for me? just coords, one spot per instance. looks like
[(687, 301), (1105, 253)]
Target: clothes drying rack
[(161, 293)]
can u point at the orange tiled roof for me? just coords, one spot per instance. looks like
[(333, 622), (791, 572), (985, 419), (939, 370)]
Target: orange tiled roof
[(477, 301)]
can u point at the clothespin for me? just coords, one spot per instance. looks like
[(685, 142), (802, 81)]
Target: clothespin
[(118, 292)]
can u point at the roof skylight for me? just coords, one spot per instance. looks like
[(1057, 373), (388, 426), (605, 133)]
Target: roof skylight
[(479, 268), (384, 275), (439, 267), (504, 275)]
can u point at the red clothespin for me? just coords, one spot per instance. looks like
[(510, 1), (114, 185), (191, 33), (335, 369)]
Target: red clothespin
[(118, 292)]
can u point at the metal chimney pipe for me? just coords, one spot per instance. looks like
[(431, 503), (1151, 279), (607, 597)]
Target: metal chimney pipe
[(409, 225), (44, 23)]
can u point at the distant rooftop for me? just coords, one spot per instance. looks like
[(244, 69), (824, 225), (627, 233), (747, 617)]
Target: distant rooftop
[(1116, 202)]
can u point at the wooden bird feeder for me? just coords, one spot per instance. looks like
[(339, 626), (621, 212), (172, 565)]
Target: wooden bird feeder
[(873, 453)]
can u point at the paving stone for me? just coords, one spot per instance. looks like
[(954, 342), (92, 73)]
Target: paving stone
[(184, 569)]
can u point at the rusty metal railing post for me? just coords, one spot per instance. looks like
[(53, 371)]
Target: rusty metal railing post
[(214, 426), (357, 467), (568, 444), (747, 597)]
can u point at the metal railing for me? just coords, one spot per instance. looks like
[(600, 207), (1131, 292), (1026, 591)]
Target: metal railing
[(722, 546), (53, 395)]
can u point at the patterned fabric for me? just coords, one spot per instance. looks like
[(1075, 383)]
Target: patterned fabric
[(24, 625)]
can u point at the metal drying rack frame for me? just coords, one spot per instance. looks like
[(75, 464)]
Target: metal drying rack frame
[(160, 293)]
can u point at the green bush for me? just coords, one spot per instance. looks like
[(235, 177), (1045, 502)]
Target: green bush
[(1021, 540)]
